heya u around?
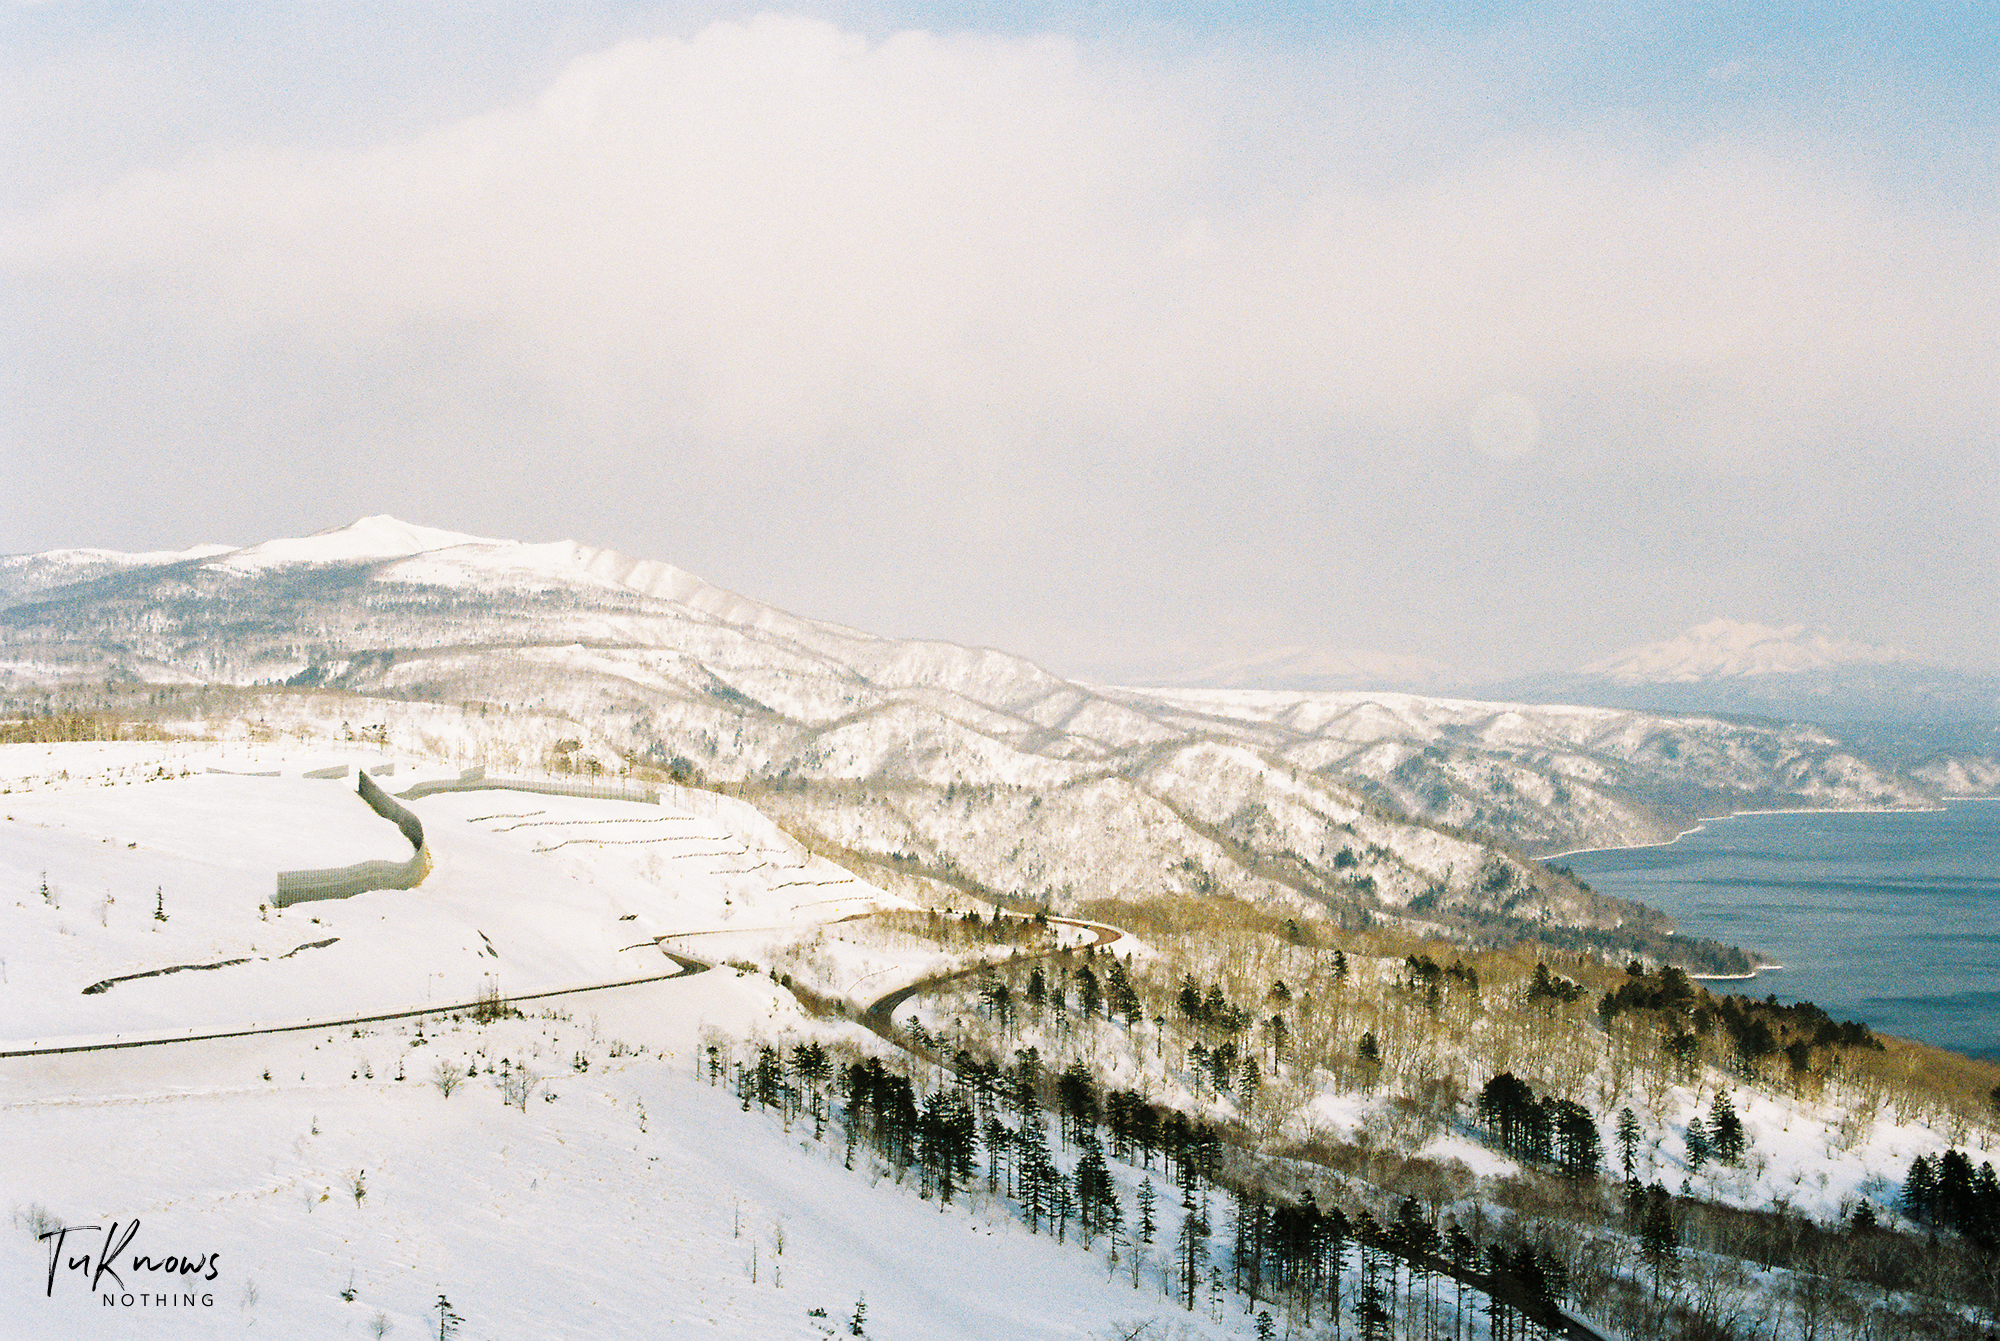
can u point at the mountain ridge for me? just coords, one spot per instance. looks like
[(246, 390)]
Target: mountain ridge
[(967, 765)]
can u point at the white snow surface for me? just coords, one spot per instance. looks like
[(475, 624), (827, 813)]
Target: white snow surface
[(528, 892), (378, 537), (637, 1202), (634, 1200)]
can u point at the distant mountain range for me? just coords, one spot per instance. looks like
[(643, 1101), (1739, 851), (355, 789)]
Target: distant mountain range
[(920, 760), (1791, 672), (1723, 666)]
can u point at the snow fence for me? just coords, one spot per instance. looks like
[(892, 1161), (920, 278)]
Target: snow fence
[(475, 780), (344, 882)]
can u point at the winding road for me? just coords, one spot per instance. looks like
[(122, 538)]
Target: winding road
[(880, 1016)]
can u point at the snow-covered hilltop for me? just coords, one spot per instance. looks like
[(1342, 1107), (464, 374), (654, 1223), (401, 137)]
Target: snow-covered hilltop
[(966, 766), (1790, 671), (1728, 647)]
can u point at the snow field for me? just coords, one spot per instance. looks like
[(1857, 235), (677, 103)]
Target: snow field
[(637, 1202), (528, 893)]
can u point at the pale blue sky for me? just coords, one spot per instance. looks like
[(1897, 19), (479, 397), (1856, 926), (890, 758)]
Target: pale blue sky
[(1120, 335)]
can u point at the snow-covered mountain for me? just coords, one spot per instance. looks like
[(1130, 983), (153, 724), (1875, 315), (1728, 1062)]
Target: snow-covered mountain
[(1722, 666), (964, 766), (23, 575), (1728, 648), (1789, 671)]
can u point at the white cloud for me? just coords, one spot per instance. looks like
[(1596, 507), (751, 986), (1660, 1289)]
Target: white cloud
[(775, 231), (998, 268)]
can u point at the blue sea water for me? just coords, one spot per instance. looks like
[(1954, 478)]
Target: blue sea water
[(1888, 918)]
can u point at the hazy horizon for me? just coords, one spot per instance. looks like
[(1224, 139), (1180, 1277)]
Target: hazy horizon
[(1509, 336)]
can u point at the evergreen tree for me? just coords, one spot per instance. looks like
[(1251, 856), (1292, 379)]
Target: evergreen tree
[(1507, 1108), (947, 1134), (998, 1141), (1191, 1247), (1216, 1010), (1725, 1129), (1062, 1203), (1375, 1317), (1335, 1233), (1096, 1199), (1188, 999), (448, 1320), (999, 1001), (1035, 1175), (1148, 1227), (1920, 1190), (1089, 996), (769, 1077), (1246, 1251), (1659, 1241), (1280, 1035), (1698, 1146), (1076, 1099), (1628, 1141), (1463, 1254), (1578, 1151), (1123, 1000), (1025, 1088), (1222, 1066)]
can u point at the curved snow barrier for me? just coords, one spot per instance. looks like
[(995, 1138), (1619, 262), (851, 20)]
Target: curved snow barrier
[(336, 771), (475, 780), (386, 806), (344, 882)]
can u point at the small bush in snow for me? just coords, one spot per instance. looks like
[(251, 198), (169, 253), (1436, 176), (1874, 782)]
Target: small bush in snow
[(518, 1086), (38, 1220)]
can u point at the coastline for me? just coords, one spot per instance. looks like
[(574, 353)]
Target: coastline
[(1735, 977), (1705, 820), (1909, 894)]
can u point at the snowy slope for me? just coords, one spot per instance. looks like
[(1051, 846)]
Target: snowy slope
[(637, 1202), (640, 663), (24, 575), (378, 537), (527, 892), (623, 1198)]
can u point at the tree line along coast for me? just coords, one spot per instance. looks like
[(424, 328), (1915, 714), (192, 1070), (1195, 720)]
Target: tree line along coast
[(1647, 1124)]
